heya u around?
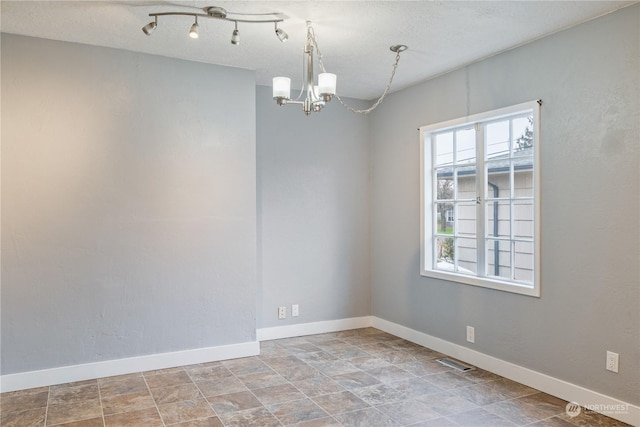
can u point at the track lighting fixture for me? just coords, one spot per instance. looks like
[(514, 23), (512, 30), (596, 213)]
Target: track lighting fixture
[(281, 34), (216, 12), (318, 95), (193, 32), (235, 37), (150, 27)]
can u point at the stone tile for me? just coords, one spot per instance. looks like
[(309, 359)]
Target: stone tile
[(28, 418), (479, 375), (134, 384), (206, 422), (389, 374), (369, 362), (66, 413), (510, 388), (317, 386), (448, 380), (163, 371), (437, 422), (366, 417), (105, 380), (262, 379), (93, 422), (24, 401), (175, 393), (588, 418), (397, 357), (143, 418), (447, 403), (278, 394), (73, 394), (279, 363), (320, 422), (421, 368), (376, 348), (233, 402), (207, 373), (185, 410), (517, 411), (546, 403), (294, 412), (355, 380), (26, 391), (336, 367), (552, 422), (297, 373), (258, 417), (245, 366), (480, 418), (378, 394), (316, 357), (409, 411), (73, 384), (481, 394), (337, 403), (301, 348), (415, 387), (220, 386), (349, 352), (126, 402), (165, 379)]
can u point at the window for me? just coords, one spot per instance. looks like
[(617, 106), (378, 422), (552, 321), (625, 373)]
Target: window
[(480, 199)]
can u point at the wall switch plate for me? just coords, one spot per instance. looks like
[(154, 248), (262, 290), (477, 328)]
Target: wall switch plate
[(282, 313), (471, 334), (612, 361), (295, 310)]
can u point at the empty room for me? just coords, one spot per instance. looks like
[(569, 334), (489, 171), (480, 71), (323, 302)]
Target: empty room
[(320, 213)]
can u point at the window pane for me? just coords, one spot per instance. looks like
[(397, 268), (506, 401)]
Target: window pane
[(444, 250), (466, 219), (499, 182), (497, 139), (498, 219), (522, 136), (465, 146), (523, 262), (444, 186), (444, 211), (503, 259), (523, 183), (467, 256), (523, 219), (444, 148), (466, 183)]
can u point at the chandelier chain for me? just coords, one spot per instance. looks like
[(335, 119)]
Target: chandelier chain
[(312, 36)]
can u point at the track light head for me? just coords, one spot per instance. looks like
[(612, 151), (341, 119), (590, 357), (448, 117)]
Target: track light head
[(193, 32), (282, 35), (235, 38), (150, 27)]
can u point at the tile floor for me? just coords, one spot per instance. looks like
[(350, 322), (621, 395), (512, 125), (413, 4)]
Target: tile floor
[(363, 378)]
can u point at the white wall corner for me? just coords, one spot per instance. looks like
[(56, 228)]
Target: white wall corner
[(87, 371), (550, 385), (323, 327)]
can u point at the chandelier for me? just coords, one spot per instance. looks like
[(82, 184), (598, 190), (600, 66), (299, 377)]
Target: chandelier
[(216, 12), (317, 95)]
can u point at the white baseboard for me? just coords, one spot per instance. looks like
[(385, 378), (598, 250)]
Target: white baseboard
[(288, 331), (87, 371), (593, 400)]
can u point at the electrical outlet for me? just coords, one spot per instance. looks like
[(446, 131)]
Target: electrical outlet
[(612, 361), (282, 313), (471, 334), (295, 310)]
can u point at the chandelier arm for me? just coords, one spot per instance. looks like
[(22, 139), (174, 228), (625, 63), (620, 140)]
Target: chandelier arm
[(312, 36)]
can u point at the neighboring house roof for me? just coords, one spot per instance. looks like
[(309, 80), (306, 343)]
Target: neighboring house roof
[(521, 161)]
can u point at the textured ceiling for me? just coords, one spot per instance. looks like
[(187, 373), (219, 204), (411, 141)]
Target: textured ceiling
[(354, 36)]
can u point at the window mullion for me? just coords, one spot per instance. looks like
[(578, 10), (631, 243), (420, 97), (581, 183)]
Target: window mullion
[(480, 197)]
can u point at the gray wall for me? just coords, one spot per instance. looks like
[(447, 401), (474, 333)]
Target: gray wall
[(128, 204), (313, 210), (588, 79)]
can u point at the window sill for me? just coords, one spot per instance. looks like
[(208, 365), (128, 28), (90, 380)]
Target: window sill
[(515, 288)]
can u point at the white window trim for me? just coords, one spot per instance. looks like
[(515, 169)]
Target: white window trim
[(426, 212)]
